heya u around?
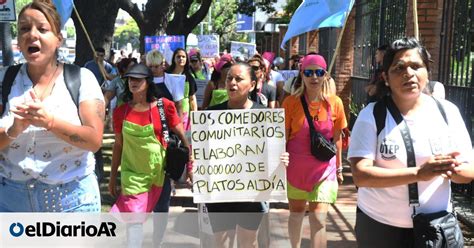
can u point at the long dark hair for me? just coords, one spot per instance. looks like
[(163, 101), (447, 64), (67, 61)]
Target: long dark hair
[(216, 75), (187, 68), (151, 93), (173, 62)]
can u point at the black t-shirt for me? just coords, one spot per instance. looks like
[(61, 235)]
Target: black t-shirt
[(192, 83), (223, 106), (231, 207), (268, 92), (163, 91)]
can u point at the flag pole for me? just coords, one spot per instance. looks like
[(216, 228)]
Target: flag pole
[(89, 40), (415, 20), (84, 29), (338, 45)]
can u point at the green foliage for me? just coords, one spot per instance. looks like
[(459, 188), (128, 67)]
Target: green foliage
[(71, 32), (355, 108), (290, 9), (127, 33), (250, 6), (19, 4), (223, 18)]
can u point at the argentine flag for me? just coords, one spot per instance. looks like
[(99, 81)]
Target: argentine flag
[(315, 14)]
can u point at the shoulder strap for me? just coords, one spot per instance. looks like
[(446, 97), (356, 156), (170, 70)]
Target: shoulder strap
[(411, 161), (7, 83), (380, 113), (441, 109), (306, 113), (164, 125), (72, 79)]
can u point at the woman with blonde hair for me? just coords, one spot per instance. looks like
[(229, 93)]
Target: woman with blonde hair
[(309, 178)]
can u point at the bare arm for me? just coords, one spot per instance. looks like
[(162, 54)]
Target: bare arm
[(116, 158), (179, 108), (271, 104), (365, 174), (193, 103), (464, 172), (179, 130), (207, 95), (108, 96), (89, 135), (338, 141)]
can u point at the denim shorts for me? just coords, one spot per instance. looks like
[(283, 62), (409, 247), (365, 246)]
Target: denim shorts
[(80, 195)]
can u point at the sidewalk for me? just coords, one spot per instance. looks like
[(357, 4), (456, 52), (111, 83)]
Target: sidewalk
[(340, 221)]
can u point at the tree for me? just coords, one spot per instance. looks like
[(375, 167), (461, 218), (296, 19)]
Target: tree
[(127, 33), (290, 9), (98, 17), (224, 20), (19, 4), (158, 17)]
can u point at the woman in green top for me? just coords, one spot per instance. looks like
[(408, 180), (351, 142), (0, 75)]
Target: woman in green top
[(180, 65), (215, 92)]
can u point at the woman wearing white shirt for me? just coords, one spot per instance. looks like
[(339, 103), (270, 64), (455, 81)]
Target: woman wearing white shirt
[(379, 162), (46, 141)]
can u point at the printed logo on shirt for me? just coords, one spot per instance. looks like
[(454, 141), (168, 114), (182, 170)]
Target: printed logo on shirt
[(388, 149)]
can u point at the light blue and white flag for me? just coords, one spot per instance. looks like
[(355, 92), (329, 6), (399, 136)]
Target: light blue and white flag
[(315, 14), (64, 8)]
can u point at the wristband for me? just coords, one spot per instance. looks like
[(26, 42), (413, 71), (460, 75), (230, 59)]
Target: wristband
[(339, 170)]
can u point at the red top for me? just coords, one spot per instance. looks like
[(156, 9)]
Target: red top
[(143, 118)]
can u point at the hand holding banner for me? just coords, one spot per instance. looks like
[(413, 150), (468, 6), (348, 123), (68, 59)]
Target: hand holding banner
[(237, 155)]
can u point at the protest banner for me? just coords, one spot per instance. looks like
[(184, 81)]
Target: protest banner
[(208, 45), (166, 44), (242, 49), (201, 87), (237, 155), (7, 11), (288, 73), (175, 84)]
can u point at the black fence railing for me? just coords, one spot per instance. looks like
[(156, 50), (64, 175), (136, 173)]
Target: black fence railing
[(456, 67), (377, 22)]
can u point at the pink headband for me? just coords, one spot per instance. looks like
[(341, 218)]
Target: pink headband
[(269, 56), (313, 59), (192, 52), (220, 64)]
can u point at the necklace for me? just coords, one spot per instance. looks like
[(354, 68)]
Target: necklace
[(40, 96)]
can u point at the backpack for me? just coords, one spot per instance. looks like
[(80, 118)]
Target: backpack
[(380, 113), (72, 79)]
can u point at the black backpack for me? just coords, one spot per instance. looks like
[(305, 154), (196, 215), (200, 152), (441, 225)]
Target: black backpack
[(380, 113), (72, 79)]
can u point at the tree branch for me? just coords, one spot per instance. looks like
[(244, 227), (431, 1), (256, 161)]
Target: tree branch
[(197, 17), (133, 10)]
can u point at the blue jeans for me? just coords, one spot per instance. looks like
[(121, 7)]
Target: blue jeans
[(35, 196)]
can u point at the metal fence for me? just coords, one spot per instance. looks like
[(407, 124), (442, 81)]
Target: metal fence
[(377, 22), (455, 66)]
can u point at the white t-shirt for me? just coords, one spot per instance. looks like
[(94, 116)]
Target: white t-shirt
[(289, 86), (430, 135), (175, 84), (37, 153), (276, 77), (159, 80)]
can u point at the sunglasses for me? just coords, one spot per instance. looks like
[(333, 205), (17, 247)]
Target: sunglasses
[(194, 61), (310, 73), (255, 68)]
